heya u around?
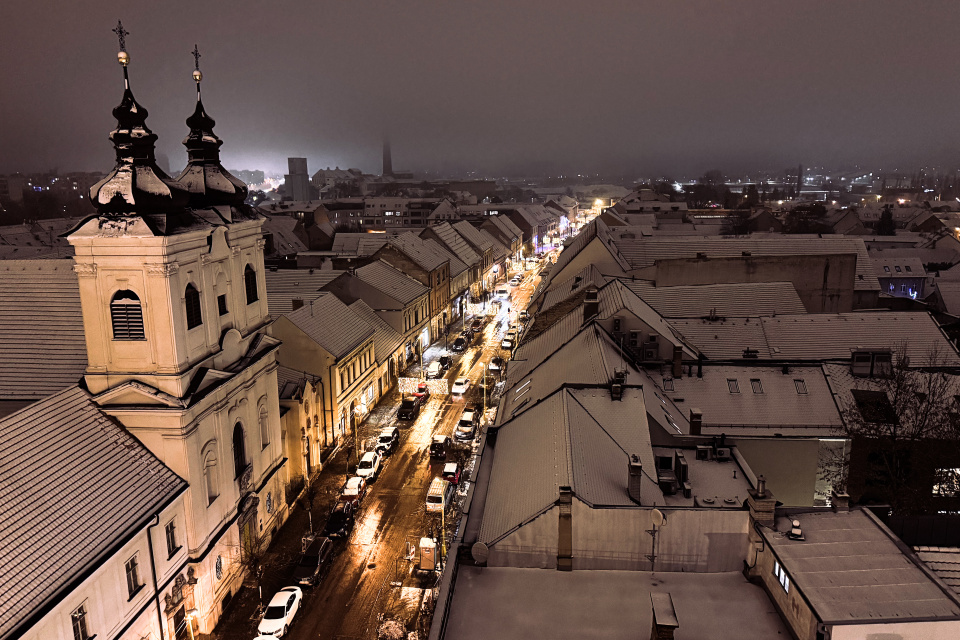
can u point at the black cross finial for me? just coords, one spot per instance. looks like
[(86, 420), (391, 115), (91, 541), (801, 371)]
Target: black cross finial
[(196, 57), (121, 35)]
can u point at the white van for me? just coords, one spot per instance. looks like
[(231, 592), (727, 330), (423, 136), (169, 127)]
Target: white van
[(503, 292), (439, 495)]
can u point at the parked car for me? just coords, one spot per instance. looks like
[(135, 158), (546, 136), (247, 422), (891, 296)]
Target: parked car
[(439, 446), (280, 612), (460, 344), (423, 391), (410, 407), (353, 491), (466, 426), (369, 466), (496, 365), (477, 324), (387, 441), (515, 281), (504, 293), (341, 520), (439, 496), (460, 386), (313, 562), (434, 369), (451, 472), (524, 316), (445, 362), (506, 343)]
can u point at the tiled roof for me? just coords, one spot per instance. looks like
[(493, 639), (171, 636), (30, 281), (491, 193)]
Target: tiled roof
[(394, 283), (739, 299), (331, 324), (575, 284), (42, 344), (820, 336), (764, 400), (456, 244), (950, 294), (285, 285), (576, 438), (887, 266), (645, 252), (75, 486), (500, 251), (285, 240), (597, 229), (506, 226), (615, 297), (474, 236), (945, 562), (849, 568), (456, 264), (361, 244), (386, 340), (425, 255)]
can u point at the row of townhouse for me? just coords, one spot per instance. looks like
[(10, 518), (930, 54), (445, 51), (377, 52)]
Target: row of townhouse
[(680, 463)]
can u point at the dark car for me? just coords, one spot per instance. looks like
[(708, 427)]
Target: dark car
[(476, 325), (410, 407), (459, 344), (439, 446), (445, 362), (340, 522), (496, 365), (313, 562)]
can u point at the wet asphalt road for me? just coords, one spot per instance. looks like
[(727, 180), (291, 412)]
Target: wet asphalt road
[(357, 591)]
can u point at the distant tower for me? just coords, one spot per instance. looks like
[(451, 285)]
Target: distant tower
[(387, 159), (799, 179), (298, 180)]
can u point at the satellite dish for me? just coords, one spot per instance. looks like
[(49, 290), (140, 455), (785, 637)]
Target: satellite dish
[(657, 518), (480, 552)]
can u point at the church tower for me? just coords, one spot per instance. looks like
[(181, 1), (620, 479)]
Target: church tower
[(175, 315)]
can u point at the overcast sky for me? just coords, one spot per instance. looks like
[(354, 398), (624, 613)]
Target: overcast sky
[(494, 86)]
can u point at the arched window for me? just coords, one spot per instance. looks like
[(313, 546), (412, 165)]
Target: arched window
[(191, 298), (250, 282), (126, 316), (264, 428), (239, 450), (210, 481)]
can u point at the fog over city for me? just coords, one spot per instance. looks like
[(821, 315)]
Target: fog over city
[(497, 87)]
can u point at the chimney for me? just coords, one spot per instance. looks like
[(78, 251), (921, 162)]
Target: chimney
[(840, 501), (696, 422), (665, 621), (591, 304), (297, 303), (762, 503), (616, 386), (565, 530), (636, 477), (677, 361)]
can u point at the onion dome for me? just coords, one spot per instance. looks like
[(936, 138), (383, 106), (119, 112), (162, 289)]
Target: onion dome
[(136, 185), (208, 183)]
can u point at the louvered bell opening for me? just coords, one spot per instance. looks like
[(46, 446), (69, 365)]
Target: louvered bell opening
[(127, 317)]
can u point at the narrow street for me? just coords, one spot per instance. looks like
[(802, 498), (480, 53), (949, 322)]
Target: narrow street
[(371, 577)]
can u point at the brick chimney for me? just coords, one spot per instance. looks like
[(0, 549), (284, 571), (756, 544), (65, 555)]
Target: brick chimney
[(762, 503), (677, 361), (840, 501), (565, 530), (696, 422), (636, 477), (665, 621), (591, 304)]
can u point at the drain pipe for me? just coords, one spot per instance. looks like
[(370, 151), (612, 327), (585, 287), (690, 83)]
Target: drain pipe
[(153, 573)]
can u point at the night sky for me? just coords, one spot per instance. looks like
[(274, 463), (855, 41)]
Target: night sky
[(499, 87)]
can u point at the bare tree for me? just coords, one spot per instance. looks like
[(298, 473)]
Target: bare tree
[(903, 429)]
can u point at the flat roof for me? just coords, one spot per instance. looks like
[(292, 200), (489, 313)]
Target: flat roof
[(849, 569), (507, 603)]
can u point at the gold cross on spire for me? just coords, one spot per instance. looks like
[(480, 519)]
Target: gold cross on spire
[(121, 35), (196, 57)]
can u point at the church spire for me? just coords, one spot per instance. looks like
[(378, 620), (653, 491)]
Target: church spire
[(204, 177), (136, 186)]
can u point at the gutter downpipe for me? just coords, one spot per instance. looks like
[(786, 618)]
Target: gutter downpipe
[(153, 574)]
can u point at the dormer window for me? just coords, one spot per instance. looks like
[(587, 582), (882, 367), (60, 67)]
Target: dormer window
[(126, 316), (191, 300)]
